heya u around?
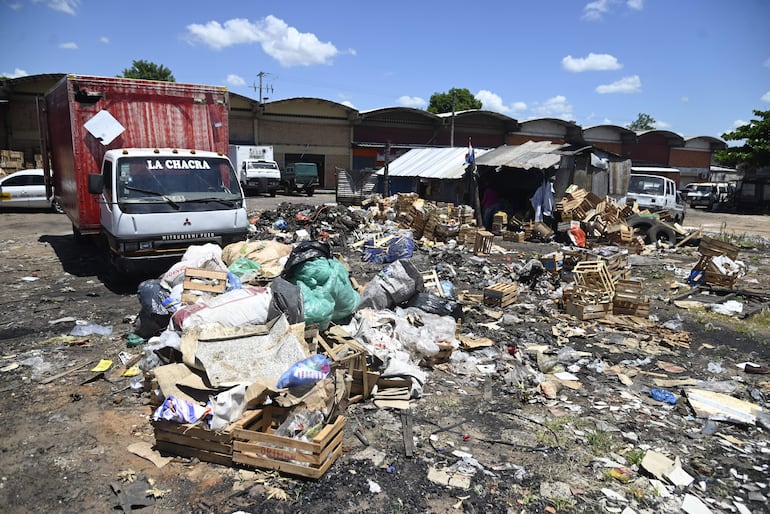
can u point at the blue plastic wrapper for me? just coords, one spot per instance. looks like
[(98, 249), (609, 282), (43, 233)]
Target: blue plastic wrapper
[(180, 411), (663, 396), (305, 372), (399, 248)]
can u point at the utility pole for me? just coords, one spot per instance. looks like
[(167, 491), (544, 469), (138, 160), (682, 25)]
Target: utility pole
[(385, 175), (452, 130), (261, 75)]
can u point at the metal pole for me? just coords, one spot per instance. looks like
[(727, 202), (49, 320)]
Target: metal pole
[(386, 177)]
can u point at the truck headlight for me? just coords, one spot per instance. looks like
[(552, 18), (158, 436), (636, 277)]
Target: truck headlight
[(145, 245)]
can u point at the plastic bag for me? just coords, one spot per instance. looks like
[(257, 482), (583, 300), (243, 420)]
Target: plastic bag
[(305, 252), (305, 372), (393, 285), (398, 248), (577, 236), (243, 266), (180, 411), (327, 292)]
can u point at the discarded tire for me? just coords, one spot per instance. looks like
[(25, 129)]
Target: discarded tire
[(662, 233)]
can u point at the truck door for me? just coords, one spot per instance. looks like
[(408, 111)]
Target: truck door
[(106, 212)]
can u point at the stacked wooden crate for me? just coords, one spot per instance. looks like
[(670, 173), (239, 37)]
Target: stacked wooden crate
[(592, 294), (11, 161), (501, 294), (709, 248)]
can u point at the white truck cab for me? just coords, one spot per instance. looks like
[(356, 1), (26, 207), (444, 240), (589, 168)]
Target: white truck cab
[(260, 175), (153, 203), (656, 193)]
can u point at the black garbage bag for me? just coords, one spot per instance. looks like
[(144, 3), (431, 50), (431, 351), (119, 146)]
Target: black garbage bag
[(287, 299), (435, 304), (304, 252), (153, 318)]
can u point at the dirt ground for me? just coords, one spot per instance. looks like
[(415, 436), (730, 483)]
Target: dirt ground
[(67, 430)]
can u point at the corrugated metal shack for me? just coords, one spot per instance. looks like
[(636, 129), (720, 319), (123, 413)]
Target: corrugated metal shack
[(436, 174), (517, 171)]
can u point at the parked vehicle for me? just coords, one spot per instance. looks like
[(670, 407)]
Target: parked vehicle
[(256, 169), (656, 193), (709, 194), (300, 177), (260, 176), (25, 189), (143, 165)]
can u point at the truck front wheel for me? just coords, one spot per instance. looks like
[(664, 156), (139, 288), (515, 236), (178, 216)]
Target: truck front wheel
[(310, 191)]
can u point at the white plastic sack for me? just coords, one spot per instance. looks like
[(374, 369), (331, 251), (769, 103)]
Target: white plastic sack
[(208, 256), (248, 305)]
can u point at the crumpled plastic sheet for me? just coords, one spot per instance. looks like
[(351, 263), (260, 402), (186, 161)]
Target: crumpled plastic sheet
[(180, 411)]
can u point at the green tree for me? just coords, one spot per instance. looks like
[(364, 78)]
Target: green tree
[(755, 150), (642, 122), (462, 98), (148, 70)]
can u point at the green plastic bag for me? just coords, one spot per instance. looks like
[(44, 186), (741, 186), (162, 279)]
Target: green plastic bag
[(327, 292), (242, 266)]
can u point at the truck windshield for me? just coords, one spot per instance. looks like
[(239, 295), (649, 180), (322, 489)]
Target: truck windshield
[(259, 165), (189, 183), (646, 185)]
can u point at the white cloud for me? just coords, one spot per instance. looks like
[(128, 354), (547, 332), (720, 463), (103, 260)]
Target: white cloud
[(556, 107), (594, 62), (411, 101), (739, 123), (235, 80), (285, 44), (766, 64), (595, 11), (492, 102), (766, 97), (349, 104), (632, 84), (15, 6), (69, 45), (18, 72), (105, 40), (65, 6), (662, 125)]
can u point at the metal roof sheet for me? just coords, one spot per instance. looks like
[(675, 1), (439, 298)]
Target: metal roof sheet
[(441, 163), (532, 154)]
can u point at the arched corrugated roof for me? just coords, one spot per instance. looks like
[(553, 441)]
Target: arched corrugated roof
[(572, 130), (673, 138), (715, 142), (307, 99), (624, 133), (389, 110), (480, 112)]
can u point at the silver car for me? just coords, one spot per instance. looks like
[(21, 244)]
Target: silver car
[(25, 189)]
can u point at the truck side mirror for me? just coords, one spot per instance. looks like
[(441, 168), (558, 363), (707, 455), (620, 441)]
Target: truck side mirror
[(95, 184)]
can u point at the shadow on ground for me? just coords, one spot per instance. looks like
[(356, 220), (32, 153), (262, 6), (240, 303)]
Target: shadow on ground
[(87, 259)]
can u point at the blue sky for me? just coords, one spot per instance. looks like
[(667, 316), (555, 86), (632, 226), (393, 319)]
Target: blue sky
[(698, 67)]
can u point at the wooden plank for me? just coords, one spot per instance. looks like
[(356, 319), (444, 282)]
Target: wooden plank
[(408, 434), (190, 452)]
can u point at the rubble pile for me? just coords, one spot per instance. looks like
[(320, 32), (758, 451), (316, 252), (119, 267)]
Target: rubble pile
[(399, 346)]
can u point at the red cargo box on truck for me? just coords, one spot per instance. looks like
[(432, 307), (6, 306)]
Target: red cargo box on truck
[(129, 131)]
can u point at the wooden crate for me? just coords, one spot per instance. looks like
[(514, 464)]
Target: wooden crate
[(630, 299), (711, 247), (553, 262), (206, 280), (587, 311), (501, 294), (445, 351), (592, 278), (483, 243), (194, 440), (347, 353), (255, 444)]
